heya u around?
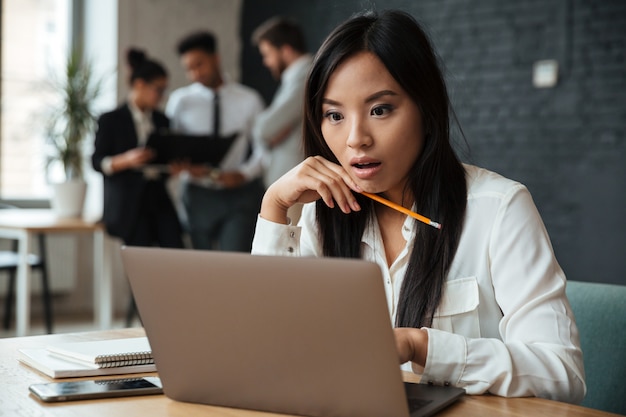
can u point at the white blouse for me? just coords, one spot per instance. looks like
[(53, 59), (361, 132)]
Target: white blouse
[(504, 325)]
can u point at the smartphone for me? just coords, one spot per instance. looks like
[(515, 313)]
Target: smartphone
[(101, 388)]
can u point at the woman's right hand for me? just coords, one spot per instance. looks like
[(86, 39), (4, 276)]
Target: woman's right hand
[(412, 345), (312, 179), (132, 158)]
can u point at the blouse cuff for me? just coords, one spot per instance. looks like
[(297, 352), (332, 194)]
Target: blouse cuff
[(446, 359), (107, 165), (275, 239)]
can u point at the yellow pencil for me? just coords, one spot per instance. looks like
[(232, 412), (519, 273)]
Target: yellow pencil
[(403, 210)]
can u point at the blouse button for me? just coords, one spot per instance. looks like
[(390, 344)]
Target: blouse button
[(290, 249), (446, 383), (292, 234)]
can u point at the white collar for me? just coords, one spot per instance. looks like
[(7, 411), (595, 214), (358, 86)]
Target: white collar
[(373, 239), (137, 113), (197, 86)]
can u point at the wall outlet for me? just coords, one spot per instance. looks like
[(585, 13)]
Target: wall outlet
[(545, 73)]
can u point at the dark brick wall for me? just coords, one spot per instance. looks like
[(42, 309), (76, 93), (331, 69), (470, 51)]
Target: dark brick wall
[(567, 143)]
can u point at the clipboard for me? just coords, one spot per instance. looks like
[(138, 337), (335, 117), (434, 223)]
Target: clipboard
[(196, 149)]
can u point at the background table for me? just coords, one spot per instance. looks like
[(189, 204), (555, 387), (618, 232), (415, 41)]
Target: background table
[(23, 225), (16, 400)]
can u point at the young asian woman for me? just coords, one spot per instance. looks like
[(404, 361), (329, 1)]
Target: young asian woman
[(480, 302)]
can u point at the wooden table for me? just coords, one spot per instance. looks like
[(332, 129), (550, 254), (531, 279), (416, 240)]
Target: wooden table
[(16, 400), (24, 225)]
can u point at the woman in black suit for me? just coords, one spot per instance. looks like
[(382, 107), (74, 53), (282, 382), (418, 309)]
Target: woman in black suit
[(137, 206)]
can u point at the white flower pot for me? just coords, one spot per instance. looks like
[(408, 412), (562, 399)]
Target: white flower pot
[(68, 198)]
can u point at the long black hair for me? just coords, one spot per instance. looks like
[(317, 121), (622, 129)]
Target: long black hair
[(437, 178)]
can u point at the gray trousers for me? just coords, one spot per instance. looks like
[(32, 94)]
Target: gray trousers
[(223, 219)]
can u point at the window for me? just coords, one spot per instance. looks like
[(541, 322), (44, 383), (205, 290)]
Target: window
[(35, 39)]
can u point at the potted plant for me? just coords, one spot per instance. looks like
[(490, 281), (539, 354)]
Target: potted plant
[(69, 123)]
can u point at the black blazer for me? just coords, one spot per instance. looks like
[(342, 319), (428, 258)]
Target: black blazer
[(123, 190)]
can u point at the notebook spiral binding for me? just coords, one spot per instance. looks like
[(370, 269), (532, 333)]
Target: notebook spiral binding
[(127, 359)]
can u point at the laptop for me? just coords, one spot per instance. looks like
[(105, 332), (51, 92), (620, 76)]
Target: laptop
[(301, 336)]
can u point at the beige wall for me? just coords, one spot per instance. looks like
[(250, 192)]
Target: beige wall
[(158, 25)]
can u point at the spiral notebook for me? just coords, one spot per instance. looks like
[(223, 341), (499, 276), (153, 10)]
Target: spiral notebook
[(106, 353), (93, 358)]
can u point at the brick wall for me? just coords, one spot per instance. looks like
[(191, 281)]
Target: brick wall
[(567, 143)]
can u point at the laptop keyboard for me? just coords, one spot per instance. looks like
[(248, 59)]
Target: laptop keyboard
[(417, 403)]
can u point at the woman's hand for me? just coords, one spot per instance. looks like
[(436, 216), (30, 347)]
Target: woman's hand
[(312, 179), (132, 158), (412, 345)]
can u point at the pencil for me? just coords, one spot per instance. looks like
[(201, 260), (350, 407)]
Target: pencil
[(401, 209)]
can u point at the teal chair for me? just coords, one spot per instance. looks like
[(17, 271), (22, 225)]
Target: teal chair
[(600, 312)]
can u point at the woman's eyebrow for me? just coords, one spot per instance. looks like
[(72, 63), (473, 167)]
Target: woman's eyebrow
[(380, 94), (368, 99), (331, 102)]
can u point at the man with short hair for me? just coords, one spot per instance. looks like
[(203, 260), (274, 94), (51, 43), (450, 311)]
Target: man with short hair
[(282, 46), (221, 203)]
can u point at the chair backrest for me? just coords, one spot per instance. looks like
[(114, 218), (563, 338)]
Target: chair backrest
[(600, 312)]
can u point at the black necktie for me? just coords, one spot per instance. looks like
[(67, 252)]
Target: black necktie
[(216, 116)]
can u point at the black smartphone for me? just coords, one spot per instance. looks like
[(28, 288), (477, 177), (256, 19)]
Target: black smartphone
[(92, 388)]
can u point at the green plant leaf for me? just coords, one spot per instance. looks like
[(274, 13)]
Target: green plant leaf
[(69, 123)]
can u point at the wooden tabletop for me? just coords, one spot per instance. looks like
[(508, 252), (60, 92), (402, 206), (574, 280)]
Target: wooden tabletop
[(16, 400), (44, 220)]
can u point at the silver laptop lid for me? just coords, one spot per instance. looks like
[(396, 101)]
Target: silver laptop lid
[(306, 336)]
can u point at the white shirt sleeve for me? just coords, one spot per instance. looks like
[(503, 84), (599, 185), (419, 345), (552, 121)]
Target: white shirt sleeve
[(284, 111), (253, 166), (539, 353), (171, 110), (288, 240), (107, 165)]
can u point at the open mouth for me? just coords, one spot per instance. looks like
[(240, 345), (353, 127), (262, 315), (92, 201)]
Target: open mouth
[(366, 165)]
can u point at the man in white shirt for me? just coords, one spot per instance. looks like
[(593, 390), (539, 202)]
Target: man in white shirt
[(220, 203), (279, 127)]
